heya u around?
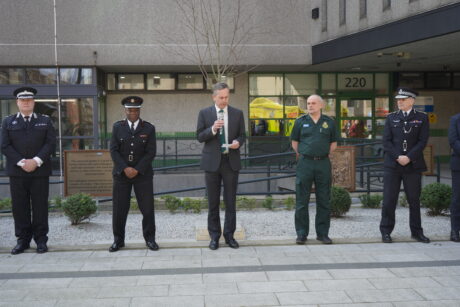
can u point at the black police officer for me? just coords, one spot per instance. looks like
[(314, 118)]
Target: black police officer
[(133, 148), (28, 140), (404, 138)]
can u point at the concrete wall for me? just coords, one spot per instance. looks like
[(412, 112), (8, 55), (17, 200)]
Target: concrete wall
[(376, 16)]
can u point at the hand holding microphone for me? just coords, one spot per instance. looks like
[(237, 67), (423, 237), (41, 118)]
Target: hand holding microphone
[(220, 117)]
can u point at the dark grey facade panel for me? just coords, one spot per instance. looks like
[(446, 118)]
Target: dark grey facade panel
[(434, 23), (6, 91)]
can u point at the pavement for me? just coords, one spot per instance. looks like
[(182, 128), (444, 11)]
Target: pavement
[(259, 273)]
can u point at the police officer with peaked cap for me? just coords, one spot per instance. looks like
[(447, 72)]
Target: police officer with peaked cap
[(133, 148), (28, 141), (405, 136)]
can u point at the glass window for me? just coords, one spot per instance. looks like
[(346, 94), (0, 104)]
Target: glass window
[(355, 82), (362, 9), (356, 128), (11, 75), (266, 107), (379, 127), (41, 75), (295, 106), (411, 80), (111, 82), (265, 84), (161, 82), (323, 13), (300, 84), (456, 80), (229, 80), (76, 75), (438, 80), (381, 83), (190, 82), (328, 84), (77, 144), (268, 127), (356, 107), (329, 107), (77, 116), (382, 105), (131, 81), (342, 12)]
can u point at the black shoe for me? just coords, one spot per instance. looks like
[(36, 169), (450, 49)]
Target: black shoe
[(386, 238), (213, 245), (421, 238), (301, 239), (116, 246), (454, 236), (42, 248), (232, 243), (152, 245), (324, 239), (20, 248)]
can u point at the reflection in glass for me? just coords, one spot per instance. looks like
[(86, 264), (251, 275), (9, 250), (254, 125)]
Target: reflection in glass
[(381, 106), (11, 75), (130, 81), (41, 75), (76, 75), (328, 84), (295, 106), (190, 82), (379, 127), (111, 82), (356, 128), (267, 127), (161, 82), (356, 108), (329, 107), (300, 84), (381, 83), (229, 80), (265, 84), (77, 117), (77, 144), (266, 107)]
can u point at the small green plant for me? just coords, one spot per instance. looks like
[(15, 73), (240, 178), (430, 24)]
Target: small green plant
[(267, 203), (57, 201), (172, 203), (245, 203), (371, 200), (222, 205), (289, 203), (340, 201), (79, 207), (403, 201), (193, 205), (133, 205), (436, 197), (5, 204)]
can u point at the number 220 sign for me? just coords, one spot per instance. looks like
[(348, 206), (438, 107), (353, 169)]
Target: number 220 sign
[(355, 82)]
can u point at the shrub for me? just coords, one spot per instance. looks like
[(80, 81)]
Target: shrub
[(57, 201), (246, 203), (340, 201), (133, 205), (289, 203), (268, 203), (371, 201), (79, 207), (5, 204), (193, 205), (172, 203), (436, 197), (403, 201)]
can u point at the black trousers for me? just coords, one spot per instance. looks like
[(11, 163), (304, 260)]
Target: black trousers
[(229, 177), (412, 182), (143, 188), (30, 194), (455, 204)]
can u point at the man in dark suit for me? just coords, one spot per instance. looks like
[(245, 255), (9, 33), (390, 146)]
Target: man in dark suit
[(454, 141), (405, 136), (133, 148), (221, 129), (28, 141)]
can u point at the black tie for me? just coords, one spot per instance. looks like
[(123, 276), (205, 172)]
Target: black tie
[(132, 128), (405, 114), (26, 119)]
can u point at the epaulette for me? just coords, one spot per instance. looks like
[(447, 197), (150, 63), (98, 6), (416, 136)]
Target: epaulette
[(301, 116)]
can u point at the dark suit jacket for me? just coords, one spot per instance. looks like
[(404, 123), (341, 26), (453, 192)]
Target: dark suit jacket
[(415, 132), (142, 144), (20, 143), (211, 154), (454, 141)]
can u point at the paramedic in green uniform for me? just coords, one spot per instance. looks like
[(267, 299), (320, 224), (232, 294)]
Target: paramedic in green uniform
[(313, 139)]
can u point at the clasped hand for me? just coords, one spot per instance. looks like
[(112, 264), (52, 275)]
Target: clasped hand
[(403, 160), (130, 172), (30, 165)]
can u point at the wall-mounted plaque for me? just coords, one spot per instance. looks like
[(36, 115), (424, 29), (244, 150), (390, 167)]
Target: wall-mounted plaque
[(88, 171), (343, 167), (428, 156)]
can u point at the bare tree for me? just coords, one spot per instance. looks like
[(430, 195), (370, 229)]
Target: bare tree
[(214, 34)]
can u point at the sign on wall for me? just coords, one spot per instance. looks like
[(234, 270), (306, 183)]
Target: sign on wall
[(88, 171), (355, 82)]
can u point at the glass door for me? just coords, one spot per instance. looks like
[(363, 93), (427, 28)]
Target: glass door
[(356, 117)]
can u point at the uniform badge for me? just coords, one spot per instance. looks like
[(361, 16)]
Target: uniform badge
[(306, 125), (14, 122), (325, 125)]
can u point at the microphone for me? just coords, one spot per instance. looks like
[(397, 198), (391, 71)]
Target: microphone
[(220, 116)]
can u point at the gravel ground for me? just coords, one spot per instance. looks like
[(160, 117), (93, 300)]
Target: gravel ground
[(259, 224)]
